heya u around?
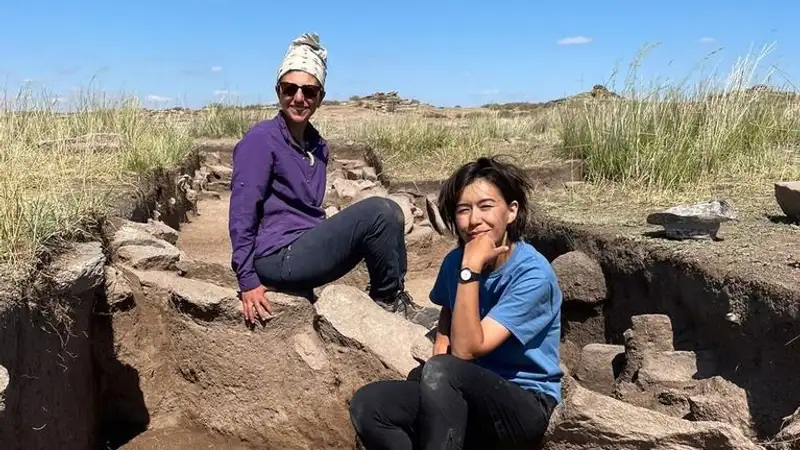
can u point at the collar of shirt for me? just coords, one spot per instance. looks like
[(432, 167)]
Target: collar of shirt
[(313, 138)]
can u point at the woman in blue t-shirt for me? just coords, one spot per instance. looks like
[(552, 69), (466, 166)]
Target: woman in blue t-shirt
[(494, 377)]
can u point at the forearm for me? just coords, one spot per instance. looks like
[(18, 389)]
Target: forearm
[(466, 333), (441, 344)]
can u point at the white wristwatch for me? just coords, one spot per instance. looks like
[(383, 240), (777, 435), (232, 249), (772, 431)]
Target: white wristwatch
[(466, 275)]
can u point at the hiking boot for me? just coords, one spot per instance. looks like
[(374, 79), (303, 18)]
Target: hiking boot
[(402, 303)]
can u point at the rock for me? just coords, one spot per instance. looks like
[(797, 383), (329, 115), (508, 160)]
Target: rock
[(330, 211), (119, 294), (676, 369), (346, 189), (201, 300), (588, 420), (370, 174), (145, 257), (598, 366), (377, 190), (356, 317), (80, 269), (420, 237), (581, 278), (787, 194), (648, 333), (136, 235), (697, 221), (220, 173), (720, 400), (207, 271), (405, 205), (788, 438), (354, 174), (434, 216), (157, 229), (5, 380)]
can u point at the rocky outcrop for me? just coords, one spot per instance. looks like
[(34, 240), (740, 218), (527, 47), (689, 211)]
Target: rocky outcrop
[(591, 421)]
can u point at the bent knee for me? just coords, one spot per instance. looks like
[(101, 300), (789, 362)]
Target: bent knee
[(363, 406), (437, 371), (386, 208)]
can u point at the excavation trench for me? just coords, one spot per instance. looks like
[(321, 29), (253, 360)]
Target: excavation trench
[(137, 342)]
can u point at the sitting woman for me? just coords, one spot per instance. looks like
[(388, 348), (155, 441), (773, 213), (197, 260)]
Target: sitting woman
[(279, 234), (494, 377)]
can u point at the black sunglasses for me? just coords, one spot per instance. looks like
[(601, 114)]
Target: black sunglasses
[(290, 89)]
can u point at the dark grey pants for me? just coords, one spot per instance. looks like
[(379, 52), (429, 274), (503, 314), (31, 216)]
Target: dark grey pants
[(456, 405), (371, 230)]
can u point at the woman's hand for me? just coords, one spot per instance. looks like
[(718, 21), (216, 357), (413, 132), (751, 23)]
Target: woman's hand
[(479, 251), (255, 303), (441, 345)]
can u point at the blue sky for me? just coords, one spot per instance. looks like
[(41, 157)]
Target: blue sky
[(447, 52)]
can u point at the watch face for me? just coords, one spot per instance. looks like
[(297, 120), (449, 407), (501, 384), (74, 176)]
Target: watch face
[(465, 275)]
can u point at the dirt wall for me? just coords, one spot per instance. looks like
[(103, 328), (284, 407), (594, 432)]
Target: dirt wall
[(751, 345), (52, 329)]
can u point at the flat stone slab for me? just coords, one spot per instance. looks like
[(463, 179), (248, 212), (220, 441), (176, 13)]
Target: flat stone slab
[(389, 336), (677, 368), (695, 221)]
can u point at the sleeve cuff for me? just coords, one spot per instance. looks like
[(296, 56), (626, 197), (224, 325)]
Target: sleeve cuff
[(249, 282)]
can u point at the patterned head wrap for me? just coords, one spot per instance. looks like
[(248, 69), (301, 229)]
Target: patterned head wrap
[(307, 54)]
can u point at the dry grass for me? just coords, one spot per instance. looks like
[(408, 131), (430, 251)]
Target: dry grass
[(58, 169), (659, 144)]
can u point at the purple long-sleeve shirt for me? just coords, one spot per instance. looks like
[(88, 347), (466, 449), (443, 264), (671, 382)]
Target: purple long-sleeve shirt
[(276, 193)]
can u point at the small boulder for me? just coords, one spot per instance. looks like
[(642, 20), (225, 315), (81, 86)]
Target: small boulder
[(204, 301), (370, 174), (355, 316), (598, 366), (788, 438), (346, 189), (434, 216), (420, 237), (157, 229), (787, 194), (717, 399), (676, 369), (588, 420), (581, 278), (330, 211), (648, 333), (696, 221), (119, 294), (145, 257), (80, 269)]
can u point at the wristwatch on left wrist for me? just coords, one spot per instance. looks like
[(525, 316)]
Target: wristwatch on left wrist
[(466, 275)]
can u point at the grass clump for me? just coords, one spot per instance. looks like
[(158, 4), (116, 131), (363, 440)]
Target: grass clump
[(671, 136), (414, 147), (59, 168), (220, 121)]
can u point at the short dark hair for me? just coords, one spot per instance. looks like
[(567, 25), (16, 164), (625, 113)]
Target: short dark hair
[(510, 180)]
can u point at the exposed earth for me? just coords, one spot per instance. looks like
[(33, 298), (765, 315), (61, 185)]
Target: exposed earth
[(667, 344)]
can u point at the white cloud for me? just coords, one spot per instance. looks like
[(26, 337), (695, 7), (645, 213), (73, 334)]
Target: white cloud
[(574, 40), (216, 68), (489, 92), (158, 98), (707, 40)]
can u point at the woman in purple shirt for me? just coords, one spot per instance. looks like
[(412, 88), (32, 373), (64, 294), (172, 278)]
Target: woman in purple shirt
[(279, 234)]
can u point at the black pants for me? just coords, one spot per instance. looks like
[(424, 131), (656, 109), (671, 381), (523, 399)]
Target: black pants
[(455, 405), (371, 230)]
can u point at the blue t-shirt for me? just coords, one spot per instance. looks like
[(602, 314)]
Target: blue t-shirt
[(523, 296)]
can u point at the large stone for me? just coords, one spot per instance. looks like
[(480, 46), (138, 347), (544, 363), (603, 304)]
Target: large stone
[(787, 194), (138, 234), (119, 294), (696, 221), (145, 257), (80, 269), (157, 229), (357, 317), (432, 209), (581, 278), (648, 333), (598, 366), (201, 300), (719, 400), (676, 369), (588, 420)]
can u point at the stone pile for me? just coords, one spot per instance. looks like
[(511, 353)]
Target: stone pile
[(646, 392), (384, 101), (352, 180)]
